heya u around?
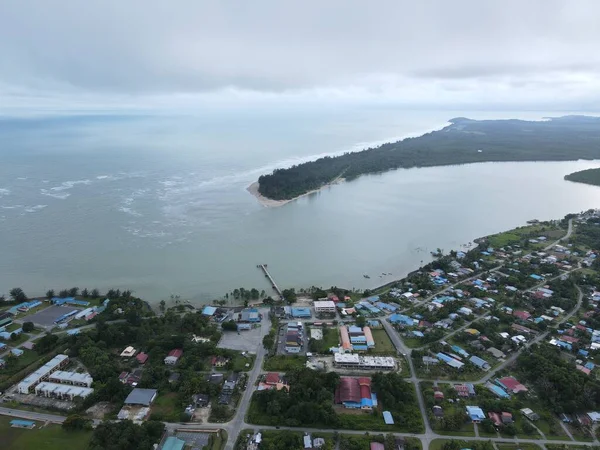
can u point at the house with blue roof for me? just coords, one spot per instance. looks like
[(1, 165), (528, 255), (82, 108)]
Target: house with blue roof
[(402, 319), (387, 418), (450, 361), (173, 443), (501, 393), (209, 311), (17, 352), (475, 413), (459, 350), (536, 277), (589, 365), (481, 363), (418, 334)]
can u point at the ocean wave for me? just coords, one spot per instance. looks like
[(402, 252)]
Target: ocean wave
[(11, 207), (131, 212), (35, 208), (103, 177), (4, 192), (60, 196), (70, 185)]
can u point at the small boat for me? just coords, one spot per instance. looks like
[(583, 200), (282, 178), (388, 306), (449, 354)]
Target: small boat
[(366, 276)]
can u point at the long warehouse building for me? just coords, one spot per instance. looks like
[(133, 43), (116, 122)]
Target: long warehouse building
[(62, 391), (346, 345), (42, 373), (355, 361)]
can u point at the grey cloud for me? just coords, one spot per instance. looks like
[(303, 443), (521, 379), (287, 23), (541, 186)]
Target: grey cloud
[(151, 47)]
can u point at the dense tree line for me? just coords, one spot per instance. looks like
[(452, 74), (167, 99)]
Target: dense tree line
[(564, 388), (399, 398), (465, 141), (126, 435), (588, 176), (308, 402)]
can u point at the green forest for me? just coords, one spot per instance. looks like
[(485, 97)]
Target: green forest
[(464, 141), (588, 176)]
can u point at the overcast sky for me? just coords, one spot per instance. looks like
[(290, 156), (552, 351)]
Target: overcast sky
[(164, 54)]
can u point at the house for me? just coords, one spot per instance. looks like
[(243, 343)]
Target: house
[(522, 315), (530, 414), (128, 352), (173, 443), (250, 315), (18, 423), (141, 358), (495, 418), (143, 397), (174, 377), (438, 395), (482, 364), (230, 383), (272, 378), (173, 356), (200, 400), (507, 418), (214, 378), (17, 352), (475, 413), (511, 384), (377, 446), (465, 390), (438, 412), (219, 361), (496, 353), (209, 311)]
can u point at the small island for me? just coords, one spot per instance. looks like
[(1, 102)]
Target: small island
[(464, 141), (588, 176)]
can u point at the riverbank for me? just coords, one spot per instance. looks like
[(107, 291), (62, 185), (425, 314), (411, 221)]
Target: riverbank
[(270, 203)]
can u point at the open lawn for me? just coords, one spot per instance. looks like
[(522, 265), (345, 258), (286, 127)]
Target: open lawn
[(239, 363), (283, 363), (51, 437), (166, 407), (28, 357), (383, 343), (12, 327)]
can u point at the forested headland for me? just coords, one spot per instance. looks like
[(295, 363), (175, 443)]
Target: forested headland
[(588, 176), (464, 141)]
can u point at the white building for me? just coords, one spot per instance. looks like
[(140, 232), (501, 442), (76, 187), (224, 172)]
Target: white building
[(42, 373), (72, 378), (353, 360), (324, 306), (128, 352), (62, 391)]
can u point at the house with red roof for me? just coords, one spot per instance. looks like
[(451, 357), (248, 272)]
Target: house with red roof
[(272, 378), (173, 356), (523, 315), (354, 393), (377, 446), (511, 384), (142, 357)]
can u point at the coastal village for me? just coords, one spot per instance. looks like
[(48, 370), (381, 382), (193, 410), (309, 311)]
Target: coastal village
[(495, 347)]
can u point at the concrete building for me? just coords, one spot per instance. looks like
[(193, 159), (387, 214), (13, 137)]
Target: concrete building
[(128, 352), (62, 391), (355, 361), (324, 306), (72, 378), (173, 356), (42, 374)]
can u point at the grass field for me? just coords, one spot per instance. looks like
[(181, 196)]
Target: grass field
[(51, 437), (383, 343), (239, 363), (167, 407), (283, 363)]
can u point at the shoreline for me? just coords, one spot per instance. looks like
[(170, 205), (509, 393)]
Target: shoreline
[(271, 203)]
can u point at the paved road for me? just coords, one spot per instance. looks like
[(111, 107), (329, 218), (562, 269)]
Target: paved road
[(32, 415), (566, 236)]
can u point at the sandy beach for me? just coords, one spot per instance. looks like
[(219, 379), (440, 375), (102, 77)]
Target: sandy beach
[(270, 203)]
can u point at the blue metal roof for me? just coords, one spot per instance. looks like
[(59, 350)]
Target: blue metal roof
[(387, 418), (209, 310), (22, 423), (173, 443)]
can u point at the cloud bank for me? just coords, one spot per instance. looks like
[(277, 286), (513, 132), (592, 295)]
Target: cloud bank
[(104, 54)]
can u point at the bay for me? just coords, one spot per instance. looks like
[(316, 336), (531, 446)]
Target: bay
[(158, 204)]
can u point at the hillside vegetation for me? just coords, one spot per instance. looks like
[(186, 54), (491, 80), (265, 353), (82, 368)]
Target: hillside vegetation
[(464, 141)]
